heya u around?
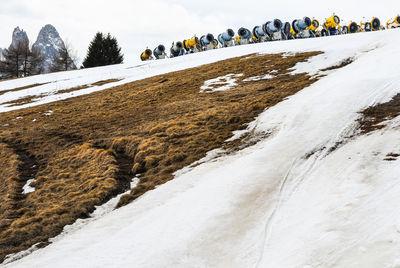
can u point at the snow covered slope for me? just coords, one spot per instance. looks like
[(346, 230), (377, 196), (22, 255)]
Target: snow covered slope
[(288, 201)]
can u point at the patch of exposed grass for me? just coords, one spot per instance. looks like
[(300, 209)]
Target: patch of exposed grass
[(21, 88), (373, 117), (90, 147)]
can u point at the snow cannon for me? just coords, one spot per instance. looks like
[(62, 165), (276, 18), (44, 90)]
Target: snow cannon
[(260, 33), (331, 25), (177, 49), (226, 38), (287, 31), (146, 55), (191, 45), (301, 28), (207, 42), (376, 24), (244, 37), (274, 29), (353, 27), (368, 26), (393, 23), (159, 52), (314, 25)]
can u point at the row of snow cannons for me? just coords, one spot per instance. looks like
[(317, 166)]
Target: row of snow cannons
[(271, 31)]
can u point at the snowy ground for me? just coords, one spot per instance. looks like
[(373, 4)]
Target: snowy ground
[(269, 205)]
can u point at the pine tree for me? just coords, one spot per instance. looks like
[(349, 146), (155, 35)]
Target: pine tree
[(103, 50)]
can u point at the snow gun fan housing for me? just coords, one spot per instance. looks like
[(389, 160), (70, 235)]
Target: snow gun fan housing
[(393, 23), (331, 25), (301, 28), (146, 55), (274, 26), (376, 24), (159, 52), (353, 27), (226, 38), (260, 33), (314, 25), (177, 49), (332, 22), (207, 42), (191, 44), (301, 25), (244, 36)]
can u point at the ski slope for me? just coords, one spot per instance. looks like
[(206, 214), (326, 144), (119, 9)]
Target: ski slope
[(268, 205)]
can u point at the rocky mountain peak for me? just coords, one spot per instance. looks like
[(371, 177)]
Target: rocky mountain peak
[(48, 43), (18, 36)]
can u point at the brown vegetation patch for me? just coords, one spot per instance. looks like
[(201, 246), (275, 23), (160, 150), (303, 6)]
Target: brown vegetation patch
[(374, 116), (103, 82), (91, 146), (21, 88), (372, 119), (22, 101)]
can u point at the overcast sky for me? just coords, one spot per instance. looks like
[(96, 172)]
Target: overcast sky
[(137, 23)]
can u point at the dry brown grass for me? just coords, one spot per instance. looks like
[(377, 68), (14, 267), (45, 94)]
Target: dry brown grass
[(91, 146), (21, 88), (373, 117)]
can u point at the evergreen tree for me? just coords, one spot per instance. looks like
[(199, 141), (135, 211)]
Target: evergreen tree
[(103, 50)]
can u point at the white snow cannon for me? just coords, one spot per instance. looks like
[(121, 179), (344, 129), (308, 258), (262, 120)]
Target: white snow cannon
[(260, 33), (301, 28), (286, 31), (226, 38), (159, 52), (244, 37), (207, 42), (274, 29), (177, 50)]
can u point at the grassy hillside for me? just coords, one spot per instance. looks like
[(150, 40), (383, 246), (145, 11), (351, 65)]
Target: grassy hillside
[(83, 151)]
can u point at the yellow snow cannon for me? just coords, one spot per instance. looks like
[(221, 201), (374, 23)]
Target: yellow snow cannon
[(191, 45), (146, 55), (331, 26), (368, 26), (352, 27), (393, 23), (314, 25)]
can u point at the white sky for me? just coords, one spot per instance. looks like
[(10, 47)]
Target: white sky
[(137, 23)]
